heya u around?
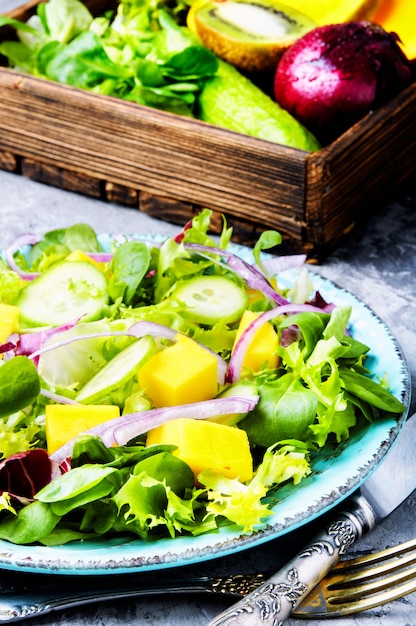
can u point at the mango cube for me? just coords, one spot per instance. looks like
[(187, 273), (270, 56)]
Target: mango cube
[(9, 321), (254, 295), (66, 421), (263, 346), (79, 255), (204, 445), (180, 374)]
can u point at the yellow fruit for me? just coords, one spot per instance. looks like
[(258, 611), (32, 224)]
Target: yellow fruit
[(263, 346), (205, 445), (9, 321), (78, 255), (399, 16), (327, 12), (182, 373), (66, 421)]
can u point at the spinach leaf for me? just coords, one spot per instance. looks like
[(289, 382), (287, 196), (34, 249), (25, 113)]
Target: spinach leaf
[(81, 237), (268, 239), (75, 482), (30, 524), (190, 64), (129, 266), (370, 391), (285, 410), (19, 385)]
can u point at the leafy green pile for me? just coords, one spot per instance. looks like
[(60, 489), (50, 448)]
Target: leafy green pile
[(138, 54), (146, 492), (319, 392)]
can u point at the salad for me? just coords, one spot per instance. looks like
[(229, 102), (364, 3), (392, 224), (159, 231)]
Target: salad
[(166, 390)]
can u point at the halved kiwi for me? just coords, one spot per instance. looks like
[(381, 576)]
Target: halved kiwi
[(250, 34)]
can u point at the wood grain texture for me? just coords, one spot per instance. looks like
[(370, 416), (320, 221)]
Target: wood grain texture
[(8, 161), (171, 166), (158, 152), (348, 178), (62, 177)]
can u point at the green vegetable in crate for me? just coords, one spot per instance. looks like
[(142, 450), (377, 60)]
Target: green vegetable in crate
[(142, 54), (232, 101)]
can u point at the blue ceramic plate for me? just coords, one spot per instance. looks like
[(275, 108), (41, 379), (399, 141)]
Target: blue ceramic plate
[(334, 477)]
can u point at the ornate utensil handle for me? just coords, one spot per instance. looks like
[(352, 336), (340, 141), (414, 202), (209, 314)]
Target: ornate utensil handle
[(273, 601), (18, 604)]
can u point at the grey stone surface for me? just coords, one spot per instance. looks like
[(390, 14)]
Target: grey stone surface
[(377, 262), (8, 5)]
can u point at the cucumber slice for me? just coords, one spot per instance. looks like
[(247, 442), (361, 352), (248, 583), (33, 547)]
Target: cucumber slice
[(117, 371), (65, 292), (242, 388), (211, 299)]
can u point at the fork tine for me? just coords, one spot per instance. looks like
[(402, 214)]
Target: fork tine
[(322, 603), (349, 588), (369, 559), (363, 583), (361, 571), (358, 602)]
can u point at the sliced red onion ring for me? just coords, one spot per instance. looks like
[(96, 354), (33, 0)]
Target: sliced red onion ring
[(139, 329), (100, 257), (57, 398), (235, 365), (251, 274), (27, 239), (276, 264), (122, 429), (31, 342), (7, 347)]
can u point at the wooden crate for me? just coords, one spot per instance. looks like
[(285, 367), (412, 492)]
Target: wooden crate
[(170, 166)]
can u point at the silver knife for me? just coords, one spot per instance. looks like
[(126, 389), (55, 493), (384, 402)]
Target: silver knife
[(393, 481)]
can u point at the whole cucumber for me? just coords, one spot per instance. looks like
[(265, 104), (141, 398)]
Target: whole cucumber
[(232, 101)]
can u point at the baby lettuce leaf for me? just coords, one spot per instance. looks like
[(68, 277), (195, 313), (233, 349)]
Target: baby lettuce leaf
[(64, 19), (322, 388), (58, 243), (139, 53)]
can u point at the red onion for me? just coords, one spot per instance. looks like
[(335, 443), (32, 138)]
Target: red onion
[(276, 264), (27, 239), (122, 429), (335, 74), (100, 257), (235, 365), (139, 329), (249, 273), (57, 398)]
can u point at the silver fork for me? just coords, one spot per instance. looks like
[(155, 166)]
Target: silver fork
[(362, 583), (353, 585)]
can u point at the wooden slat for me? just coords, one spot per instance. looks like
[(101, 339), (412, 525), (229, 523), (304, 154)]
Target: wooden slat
[(150, 150), (8, 161), (349, 177), (62, 177), (120, 194)]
